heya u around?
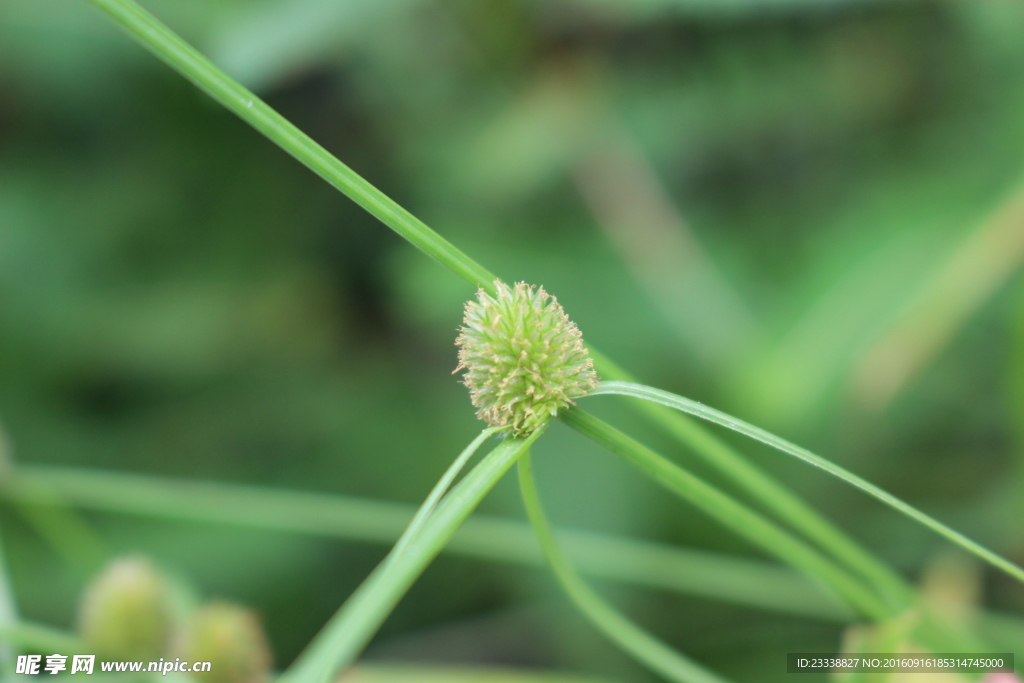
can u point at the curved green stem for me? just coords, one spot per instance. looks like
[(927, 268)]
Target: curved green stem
[(742, 520), (786, 505), (710, 414), (630, 637)]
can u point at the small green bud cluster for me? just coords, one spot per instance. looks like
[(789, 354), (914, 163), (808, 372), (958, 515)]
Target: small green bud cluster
[(126, 613), (132, 612), (524, 359), (231, 639)]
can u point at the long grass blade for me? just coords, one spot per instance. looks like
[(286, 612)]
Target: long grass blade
[(704, 412), (638, 562), (743, 521), (643, 646), (442, 486), (772, 494), (153, 35), (353, 625)]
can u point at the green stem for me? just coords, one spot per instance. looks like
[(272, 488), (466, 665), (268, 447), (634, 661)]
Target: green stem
[(442, 486), (710, 414), (642, 563), (186, 60), (772, 494), (652, 652), (351, 628), (730, 513)]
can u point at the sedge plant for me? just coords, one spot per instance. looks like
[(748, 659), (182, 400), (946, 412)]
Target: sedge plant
[(526, 365)]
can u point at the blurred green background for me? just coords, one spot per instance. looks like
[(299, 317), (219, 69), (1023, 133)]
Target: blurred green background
[(808, 213)]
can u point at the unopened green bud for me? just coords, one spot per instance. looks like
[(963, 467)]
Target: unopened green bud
[(524, 358), (126, 612), (231, 639)]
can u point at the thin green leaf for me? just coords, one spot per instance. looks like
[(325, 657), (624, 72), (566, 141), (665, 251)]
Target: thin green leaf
[(149, 32), (353, 625), (442, 486), (700, 410), (649, 650), (742, 520), (786, 505)]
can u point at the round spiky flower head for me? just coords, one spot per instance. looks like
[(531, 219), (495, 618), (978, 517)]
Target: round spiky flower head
[(524, 358)]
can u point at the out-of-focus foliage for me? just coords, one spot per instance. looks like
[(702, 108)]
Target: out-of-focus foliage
[(804, 212)]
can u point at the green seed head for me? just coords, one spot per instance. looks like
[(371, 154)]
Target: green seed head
[(126, 612), (231, 639), (524, 358)]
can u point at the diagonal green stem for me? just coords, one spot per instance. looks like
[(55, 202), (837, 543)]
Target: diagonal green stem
[(442, 486), (186, 60), (771, 493), (710, 414), (630, 637), (353, 625), (743, 521)]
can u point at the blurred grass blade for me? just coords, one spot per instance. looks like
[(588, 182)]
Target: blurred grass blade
[(741, 520), (186, 60), (694, 408), (643, 563), (40, 638), (353, 625), (69, 535), (634, 209), (652, 652), (977, 268)]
